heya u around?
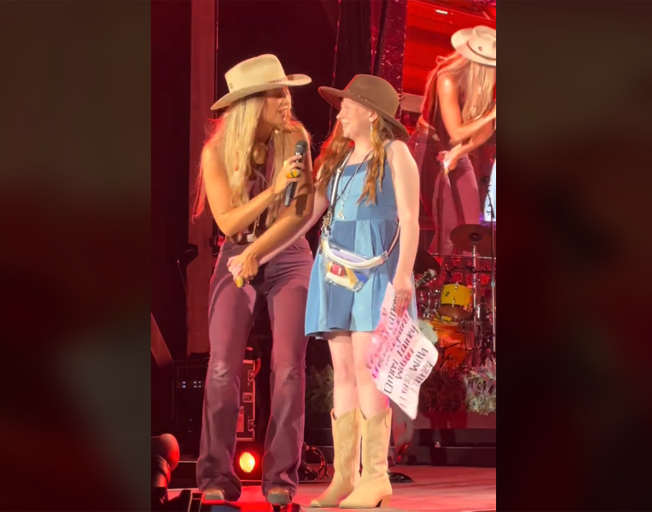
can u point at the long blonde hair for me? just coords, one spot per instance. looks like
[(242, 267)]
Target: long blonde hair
[(337, 146), (232, 136), (476, 83)]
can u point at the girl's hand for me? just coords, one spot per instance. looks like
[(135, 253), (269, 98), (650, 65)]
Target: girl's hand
[(404, 288)]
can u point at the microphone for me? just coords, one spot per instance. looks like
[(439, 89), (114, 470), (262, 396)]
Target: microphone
[(429, 275), (299, 150)]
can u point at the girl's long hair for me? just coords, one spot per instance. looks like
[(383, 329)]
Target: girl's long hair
[(337, 146)]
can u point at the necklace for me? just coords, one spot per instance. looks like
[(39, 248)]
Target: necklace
[(342, 200), (260, 184)]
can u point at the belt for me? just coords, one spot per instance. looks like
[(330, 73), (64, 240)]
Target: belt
[(244, 238), (424, 125)]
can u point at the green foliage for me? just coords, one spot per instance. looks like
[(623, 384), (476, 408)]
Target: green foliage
[(319, 389)]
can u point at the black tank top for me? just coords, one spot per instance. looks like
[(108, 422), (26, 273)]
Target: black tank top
[(437, 122)]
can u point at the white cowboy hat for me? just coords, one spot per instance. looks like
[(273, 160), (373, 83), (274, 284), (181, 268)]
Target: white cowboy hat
[(258, 74), (477, 44)]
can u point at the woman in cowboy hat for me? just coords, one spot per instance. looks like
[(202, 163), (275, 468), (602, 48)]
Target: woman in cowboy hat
[(247, 164), (377, 188), (457, 116)]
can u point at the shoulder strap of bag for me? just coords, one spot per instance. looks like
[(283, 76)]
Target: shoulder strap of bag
[(335, 181), (337, 177)]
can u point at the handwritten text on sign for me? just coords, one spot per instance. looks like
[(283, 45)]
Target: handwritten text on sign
[(401, 357)]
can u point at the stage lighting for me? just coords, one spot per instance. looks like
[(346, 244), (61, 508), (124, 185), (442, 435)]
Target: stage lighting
[(165, 458), (247, 461)]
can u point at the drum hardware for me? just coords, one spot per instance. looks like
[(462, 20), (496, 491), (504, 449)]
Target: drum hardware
[(428, 276), (493, 270), (468, 256), (425, 262), (480, 241), (476, 310), (456, 301), (453, 358), (469, 236), (453, 343), (425, 293), (428, 302), (462, 315)]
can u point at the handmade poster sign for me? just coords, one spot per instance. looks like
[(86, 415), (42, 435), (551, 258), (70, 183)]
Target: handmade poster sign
[(401, 357)]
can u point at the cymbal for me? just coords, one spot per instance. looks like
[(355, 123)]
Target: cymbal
[(466, 235), (425, 261)]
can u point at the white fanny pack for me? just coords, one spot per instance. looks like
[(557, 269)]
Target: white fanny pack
[(343, 267)]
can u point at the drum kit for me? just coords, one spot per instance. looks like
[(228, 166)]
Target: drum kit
[(456, 295)]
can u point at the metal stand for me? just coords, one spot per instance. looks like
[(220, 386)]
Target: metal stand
[(479, 241), (493, 273), (477, 326)]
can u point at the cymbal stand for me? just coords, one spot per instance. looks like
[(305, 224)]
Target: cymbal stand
[(493, 273), (477, 326)]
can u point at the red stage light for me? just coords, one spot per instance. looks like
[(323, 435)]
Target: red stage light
[(247, 462)]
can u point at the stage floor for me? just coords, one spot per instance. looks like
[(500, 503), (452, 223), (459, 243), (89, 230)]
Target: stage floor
[(435, 489)]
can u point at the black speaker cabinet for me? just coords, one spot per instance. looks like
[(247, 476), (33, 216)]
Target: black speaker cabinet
[(190, 378)]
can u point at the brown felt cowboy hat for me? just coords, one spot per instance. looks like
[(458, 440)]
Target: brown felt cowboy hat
[(477, 44), (372, 92), (258, 74)]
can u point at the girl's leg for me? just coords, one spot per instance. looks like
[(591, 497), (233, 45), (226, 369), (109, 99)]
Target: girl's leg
[(345, 419), (345, 394), (374, 488), (372, 401)]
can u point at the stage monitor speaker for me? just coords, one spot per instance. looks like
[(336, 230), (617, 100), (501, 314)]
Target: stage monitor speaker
[(189, 380)]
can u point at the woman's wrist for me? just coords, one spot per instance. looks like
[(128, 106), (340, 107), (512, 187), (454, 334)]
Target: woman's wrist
[(250, 252), (271, 193)]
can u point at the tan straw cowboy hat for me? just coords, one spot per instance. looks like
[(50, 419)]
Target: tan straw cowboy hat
[(371, 92), (258, 74), (477, 44)]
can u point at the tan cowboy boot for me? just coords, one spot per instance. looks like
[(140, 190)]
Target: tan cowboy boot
[(374, 489), (346, 444)]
